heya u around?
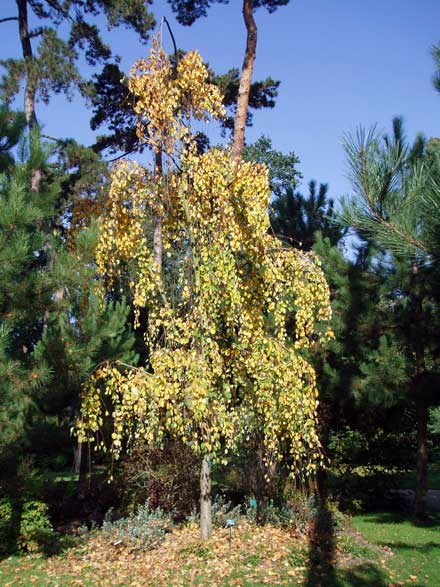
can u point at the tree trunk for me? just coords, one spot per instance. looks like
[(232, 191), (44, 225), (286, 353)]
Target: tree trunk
[(422, 458), (77, 458), (205, 500), (29, 92), (30, 87), (157, 221), (245, 81)]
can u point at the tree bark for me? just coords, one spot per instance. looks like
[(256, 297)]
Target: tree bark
[(421, 459), (245, 81), (205, 500), (29, 92), (30, 87), (77, 458)]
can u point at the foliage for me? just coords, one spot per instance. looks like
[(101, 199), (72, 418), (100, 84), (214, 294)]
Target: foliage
[(223, 513), (52, 67), (188, 11), (282, 171), (35, 528), (436, 56), (25, 287), (113, 99), (25, 526), (12, 125), (397, 198), (222, 362)]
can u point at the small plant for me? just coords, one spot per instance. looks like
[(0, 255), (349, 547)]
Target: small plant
[(297, 557), (146, 528), (350, 545), (223, 510), (253, 560), (197, 550), (35, 533)]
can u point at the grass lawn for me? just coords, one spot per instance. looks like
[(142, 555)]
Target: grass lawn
[(415, 548)]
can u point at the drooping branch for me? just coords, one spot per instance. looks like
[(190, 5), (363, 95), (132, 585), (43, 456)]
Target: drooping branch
[(8, 18), (157, 234), (245, 81)]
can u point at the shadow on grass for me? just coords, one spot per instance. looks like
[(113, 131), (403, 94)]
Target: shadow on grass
[(428, 548), (428, 521), (322, 568)]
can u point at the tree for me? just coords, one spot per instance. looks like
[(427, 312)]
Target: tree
[(188, 11), (25, 283), (48, 346), (296, 218), (113, 103), (51, 67), (396, 204), (222, 365), (282, 171)]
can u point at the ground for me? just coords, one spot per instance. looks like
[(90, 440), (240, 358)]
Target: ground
[(375, 550)]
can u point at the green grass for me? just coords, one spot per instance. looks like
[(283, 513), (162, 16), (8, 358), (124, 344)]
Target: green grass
[(415, 547), (30, 571)]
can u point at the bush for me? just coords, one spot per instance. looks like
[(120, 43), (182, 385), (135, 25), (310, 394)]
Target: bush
[(298, 513), (7, 539), (167, 478), (145, 528), (35, 531), (25, 526)]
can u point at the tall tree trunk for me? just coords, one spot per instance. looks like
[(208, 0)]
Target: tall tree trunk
[(245, 81), (30, 87), (29, 92), (205, 500), (422, 458), (157, 221)]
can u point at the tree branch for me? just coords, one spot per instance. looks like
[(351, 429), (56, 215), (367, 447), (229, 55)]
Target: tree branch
[(9, 18)]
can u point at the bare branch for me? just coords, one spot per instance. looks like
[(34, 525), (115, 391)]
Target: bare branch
[(9, 18)]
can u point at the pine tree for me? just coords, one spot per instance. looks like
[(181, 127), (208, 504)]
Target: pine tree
[(283, 173), (296, 218), (25, 282), (48, 346), (396, 204)]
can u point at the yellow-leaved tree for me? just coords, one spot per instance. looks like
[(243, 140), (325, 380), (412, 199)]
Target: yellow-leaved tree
[(193, 235)]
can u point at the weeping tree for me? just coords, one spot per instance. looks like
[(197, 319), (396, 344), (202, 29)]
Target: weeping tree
[(396, 204), (219, 292)]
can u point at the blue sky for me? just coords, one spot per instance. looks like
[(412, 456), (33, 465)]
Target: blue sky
[(341, 63)]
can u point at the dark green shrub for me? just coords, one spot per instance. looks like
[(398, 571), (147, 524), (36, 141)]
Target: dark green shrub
[(7, 524)]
